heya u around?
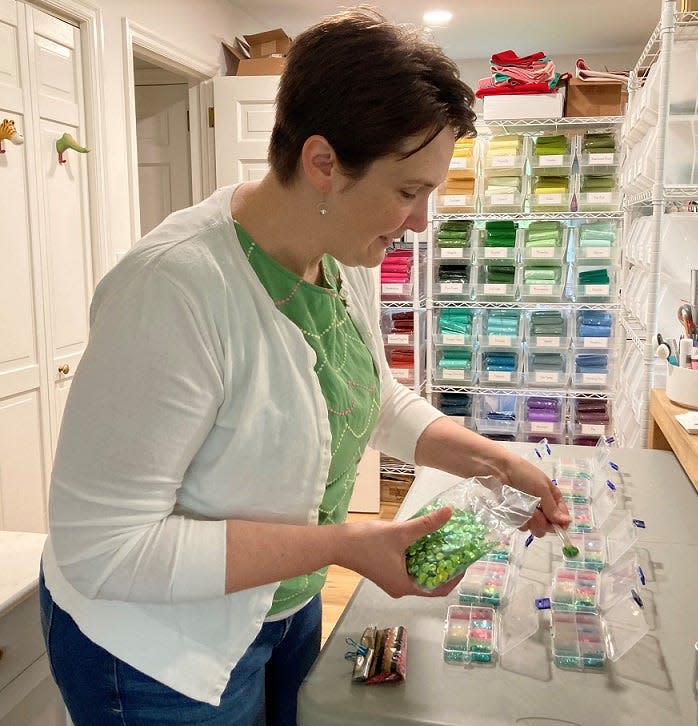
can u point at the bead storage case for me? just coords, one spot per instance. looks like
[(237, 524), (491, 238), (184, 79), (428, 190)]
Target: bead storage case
[(586, 641), (575, 589), (598, 550), (475, 634), (485, 583)]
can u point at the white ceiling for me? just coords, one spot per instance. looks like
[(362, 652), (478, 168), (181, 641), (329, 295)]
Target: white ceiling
[(481, 27)]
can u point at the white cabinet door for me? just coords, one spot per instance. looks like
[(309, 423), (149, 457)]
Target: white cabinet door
[(45, 260), (164, 177), (24, 423), (244, 119), (54, 55)]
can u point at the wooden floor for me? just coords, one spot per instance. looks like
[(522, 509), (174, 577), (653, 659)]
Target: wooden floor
[(341, 582)]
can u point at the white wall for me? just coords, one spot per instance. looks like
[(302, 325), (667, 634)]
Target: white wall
[(196, 28)]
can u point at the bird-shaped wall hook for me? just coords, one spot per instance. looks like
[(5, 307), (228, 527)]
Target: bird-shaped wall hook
[(9, 132), (68, 142)]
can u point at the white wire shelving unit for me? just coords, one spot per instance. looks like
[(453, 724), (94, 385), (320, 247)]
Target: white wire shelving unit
[(529, 126), (672, 26)]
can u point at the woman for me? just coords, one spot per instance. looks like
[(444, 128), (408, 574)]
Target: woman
[(233, 378)]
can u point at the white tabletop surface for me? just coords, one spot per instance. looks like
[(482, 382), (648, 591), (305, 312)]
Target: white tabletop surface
[(651, 685), (20, 554)]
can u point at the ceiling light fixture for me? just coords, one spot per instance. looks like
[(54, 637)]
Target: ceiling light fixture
[(437, 18)]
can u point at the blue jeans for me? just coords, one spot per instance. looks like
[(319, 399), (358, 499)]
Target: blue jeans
[(101, 690)]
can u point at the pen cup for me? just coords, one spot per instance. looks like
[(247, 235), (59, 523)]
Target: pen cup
[(682, 386)]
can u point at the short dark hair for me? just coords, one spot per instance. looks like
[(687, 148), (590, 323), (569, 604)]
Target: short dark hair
[(366, 85)]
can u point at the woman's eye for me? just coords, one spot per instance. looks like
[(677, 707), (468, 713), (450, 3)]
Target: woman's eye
[(408, 195)]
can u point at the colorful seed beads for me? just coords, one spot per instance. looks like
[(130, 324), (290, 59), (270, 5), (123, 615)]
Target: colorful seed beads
[(484, 583), (573, 467), (578, 641), (502, 551), (442, 555), (469, 634), (581, 517), (578, 490), (575, 589), (592, 551)]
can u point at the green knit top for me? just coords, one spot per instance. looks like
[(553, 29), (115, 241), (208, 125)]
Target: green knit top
[(348, 380)]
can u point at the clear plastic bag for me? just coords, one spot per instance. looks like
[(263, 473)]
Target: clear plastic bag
[(485, 512)]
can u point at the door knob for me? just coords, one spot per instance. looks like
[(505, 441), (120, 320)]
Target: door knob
[(65, 369)]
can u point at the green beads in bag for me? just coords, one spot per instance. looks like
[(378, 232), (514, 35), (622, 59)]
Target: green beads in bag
[(484, 513), (442, 555)]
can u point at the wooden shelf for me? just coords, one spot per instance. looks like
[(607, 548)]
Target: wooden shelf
[(665, 432)]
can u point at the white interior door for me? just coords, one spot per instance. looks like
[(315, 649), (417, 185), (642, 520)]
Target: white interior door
[(164, 178), (244, 122), (24, 423), (54, 54), (244, 119), (45, 261)]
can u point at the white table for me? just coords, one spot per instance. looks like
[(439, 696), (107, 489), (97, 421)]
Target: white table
[(650, 686)]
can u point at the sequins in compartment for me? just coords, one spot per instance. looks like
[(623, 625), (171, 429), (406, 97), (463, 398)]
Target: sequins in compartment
[(469, 634), (484, 583), (575, 589)]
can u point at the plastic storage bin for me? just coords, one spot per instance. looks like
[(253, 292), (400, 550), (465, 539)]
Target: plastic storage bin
[(453, 280), (548, 330), (485, 583), (551, 193), (497, 243), (544, 416), (594, 283), (594, 330), (497, 413), (585, 641), (477, 634), (552, 154), (501, 328), (543, 281), (597, 550), (505, 155), (457, 406), (544, 241), (500, 366), (596, 243), (598, 193), (454, 240), (456, 327), (546, 369), (496, 281), (455, 366)]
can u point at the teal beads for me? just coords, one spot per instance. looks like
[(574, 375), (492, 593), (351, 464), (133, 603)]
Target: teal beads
[(442, 555)]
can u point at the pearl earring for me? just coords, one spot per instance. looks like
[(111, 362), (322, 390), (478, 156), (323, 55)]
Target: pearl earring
[(322, 209)]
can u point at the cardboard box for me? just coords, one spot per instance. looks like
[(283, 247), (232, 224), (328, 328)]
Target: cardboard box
[(595, 98), (523, 105), (271, 42), (260, 54)]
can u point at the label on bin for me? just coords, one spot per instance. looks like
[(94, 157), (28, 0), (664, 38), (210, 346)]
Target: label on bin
[(398, 339), (596, 252), (547, 377), (491, 288), (497, 251), (595, 342), (551, 160), (501, 340), (454, 200), (542, 427), (458, 162), (594, 379), (452, 252), (499, 200), (599, 197), (392, 288), (593, 429), (601, 159), (549, 198), (501, 161), (547, 341), (595, 289), (542, 252), (502, 376), (454, 374), (451, 286), (540, 289), (453, 339), (401, 373)]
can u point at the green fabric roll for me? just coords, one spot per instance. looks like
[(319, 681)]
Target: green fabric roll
[(551, 145), (599, 143), (598, 184)]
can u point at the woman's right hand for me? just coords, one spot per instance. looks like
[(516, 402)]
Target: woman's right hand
[(376, 550)]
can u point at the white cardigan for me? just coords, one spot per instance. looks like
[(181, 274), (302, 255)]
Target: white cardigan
[(195, 401)]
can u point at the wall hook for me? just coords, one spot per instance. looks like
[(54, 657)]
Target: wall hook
[(9, 132), (68, 142)]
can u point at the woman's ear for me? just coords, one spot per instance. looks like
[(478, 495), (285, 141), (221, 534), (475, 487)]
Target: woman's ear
[(319, 162)]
